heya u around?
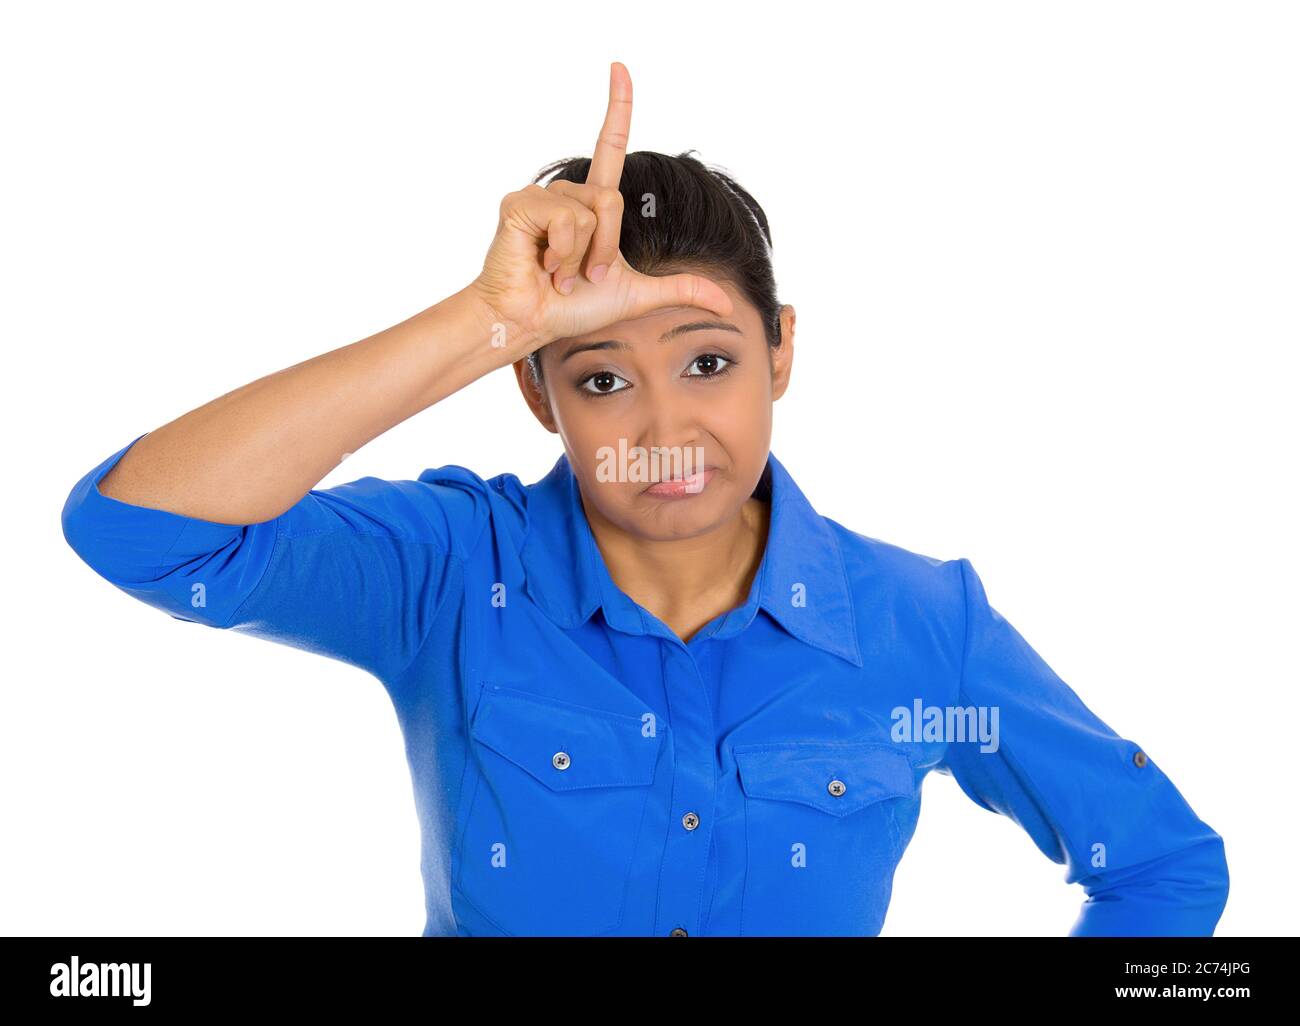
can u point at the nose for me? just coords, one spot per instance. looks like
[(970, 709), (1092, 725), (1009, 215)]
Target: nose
[(670, 425)]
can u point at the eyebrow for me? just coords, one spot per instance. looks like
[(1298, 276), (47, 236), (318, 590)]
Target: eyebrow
[(668, 335)]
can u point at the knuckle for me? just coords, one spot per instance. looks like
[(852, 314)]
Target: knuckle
[(614, 137)]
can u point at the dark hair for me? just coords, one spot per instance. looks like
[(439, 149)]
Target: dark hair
[(680, 214)]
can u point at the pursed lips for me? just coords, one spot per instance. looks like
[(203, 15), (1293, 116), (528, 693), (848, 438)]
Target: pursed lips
[(705, 468)]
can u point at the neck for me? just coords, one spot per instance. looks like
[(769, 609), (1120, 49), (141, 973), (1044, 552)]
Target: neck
[(686, 582)]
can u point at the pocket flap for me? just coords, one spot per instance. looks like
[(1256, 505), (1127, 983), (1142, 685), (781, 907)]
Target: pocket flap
[(600, 748), (804, 772)]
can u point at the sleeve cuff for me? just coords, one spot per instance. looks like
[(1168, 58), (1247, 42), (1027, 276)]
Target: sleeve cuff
[(128, 544)]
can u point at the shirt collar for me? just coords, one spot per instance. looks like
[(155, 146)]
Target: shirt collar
[(801, 582)]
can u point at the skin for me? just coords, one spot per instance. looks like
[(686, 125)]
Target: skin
[(552, 272), (688, 559)]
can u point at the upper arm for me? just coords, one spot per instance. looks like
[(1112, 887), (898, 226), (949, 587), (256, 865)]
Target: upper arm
[(357, 572)]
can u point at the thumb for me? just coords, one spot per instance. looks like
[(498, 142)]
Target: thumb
[(649, 293)]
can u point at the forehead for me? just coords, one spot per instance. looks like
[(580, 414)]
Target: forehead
[(674, 322)]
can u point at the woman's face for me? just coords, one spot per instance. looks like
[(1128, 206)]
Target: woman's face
[(691, 389)]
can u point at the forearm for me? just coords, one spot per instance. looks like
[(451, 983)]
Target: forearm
[(251, 454)]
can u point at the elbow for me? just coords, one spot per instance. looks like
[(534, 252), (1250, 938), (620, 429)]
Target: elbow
[(79, 529), (1206, 882), (1218, 882), (94, 535), (1206, 889), (1182, 894)]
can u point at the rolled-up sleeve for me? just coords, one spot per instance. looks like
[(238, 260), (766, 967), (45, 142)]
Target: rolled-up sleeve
[(357, 572), (1091, 799)]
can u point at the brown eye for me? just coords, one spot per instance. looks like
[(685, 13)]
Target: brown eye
[(709, 363), (603, 382)]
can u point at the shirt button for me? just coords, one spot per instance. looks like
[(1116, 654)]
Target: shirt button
[(677, 931), (1140, 759), (560, 760), (690, 821), (836, 787)]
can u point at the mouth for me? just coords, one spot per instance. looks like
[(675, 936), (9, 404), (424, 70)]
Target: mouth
[(682, 487)]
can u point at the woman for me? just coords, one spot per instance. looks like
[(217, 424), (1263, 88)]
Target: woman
[(642, 695)]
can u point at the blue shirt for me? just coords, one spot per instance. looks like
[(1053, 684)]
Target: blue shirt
[(578, 769)]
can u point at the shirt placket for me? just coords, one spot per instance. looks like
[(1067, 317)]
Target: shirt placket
[(683, 873)]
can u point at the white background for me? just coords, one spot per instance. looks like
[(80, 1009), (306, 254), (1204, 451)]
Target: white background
[(1044, 258)]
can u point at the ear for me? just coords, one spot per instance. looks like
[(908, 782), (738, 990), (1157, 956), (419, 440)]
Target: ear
[(782, 356), (533, 396)]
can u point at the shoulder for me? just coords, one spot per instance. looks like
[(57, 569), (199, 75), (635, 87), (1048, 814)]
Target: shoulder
[(886, 578), (472, 502)]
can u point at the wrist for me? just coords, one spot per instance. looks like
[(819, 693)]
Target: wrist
[(449, 344), (507, 337)]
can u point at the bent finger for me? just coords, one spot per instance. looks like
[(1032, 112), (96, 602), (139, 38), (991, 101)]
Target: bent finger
[(583, 226), (607, 204)]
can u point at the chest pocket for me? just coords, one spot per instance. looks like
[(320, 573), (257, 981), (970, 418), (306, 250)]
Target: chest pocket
[(559, 793), (822, 836)]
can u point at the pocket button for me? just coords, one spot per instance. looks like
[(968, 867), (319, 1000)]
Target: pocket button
[(798, 802), (549, 837)]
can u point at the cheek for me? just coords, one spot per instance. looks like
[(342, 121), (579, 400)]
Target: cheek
[(582, 422), (588, 429), (744, 404)]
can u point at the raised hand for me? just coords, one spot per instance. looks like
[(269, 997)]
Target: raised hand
[(554, 269)]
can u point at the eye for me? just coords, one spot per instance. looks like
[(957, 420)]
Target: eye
[(604, 382), (710, 361)]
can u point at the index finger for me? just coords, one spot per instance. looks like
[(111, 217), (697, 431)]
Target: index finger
[(611, 147)]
